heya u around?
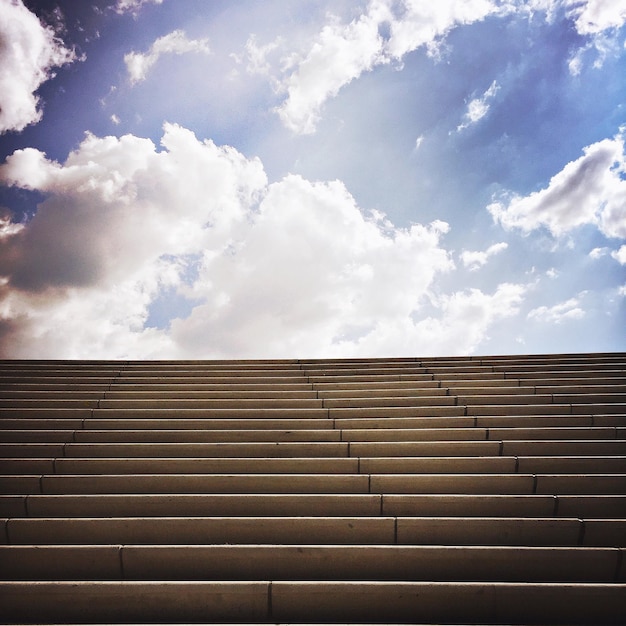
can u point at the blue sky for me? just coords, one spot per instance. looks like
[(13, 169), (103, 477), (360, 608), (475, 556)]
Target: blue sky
[(317, 178)]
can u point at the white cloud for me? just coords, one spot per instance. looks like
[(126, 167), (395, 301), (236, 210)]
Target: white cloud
[(590, 17), (29, 52), (342, 52), (133, 6), (175, 42), (291, 268), (257, 55), (479, 107), (115, 119), (464, 321), (568, 310), (118, 204), (8, 228), (590, 190), (596, 20), (620, 255), (416, 23), (596, 16), (474, 260), (598, 253)]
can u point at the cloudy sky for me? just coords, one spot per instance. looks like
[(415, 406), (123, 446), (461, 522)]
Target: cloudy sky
[(308, 178)]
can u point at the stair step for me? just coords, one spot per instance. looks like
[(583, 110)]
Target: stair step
[(310, 562), (203, 530), (582, 484), (442, 531), (322, 601), (406, 505), (186, 483)]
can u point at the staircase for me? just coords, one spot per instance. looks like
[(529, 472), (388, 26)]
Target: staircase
[(478, 490)]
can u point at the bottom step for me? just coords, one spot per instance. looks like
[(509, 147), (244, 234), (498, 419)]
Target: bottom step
[(306, 602)]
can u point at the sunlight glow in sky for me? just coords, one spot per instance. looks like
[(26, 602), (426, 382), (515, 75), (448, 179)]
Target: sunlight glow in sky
[(318, 178)]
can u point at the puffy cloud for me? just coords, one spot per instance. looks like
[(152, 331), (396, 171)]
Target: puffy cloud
[(620, 255), (463, 321), (176, 42), (133, 6), (342, 52), (290, 268), (589, 190), (568, 310), (479, 107), (596, 16), (474, 260), (117, 204), (29, 52)]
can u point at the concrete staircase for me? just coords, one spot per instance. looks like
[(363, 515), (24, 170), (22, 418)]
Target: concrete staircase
[(484, 490)]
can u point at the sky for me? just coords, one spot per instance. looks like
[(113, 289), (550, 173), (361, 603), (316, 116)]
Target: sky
[(226, 179)]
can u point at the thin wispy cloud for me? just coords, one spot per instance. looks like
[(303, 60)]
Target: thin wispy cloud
[(478, 107), (133, 6), (139, 64), (558, 313)]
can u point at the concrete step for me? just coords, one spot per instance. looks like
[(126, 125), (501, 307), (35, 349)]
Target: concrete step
[(321, 601), (446, 531), (203, 530), (296, 483), (404, 505), (168, 436), (489, 448), (197, 465), (100, 423), (319, 449), (305, 392), (314, 483), (452, 531), (25, 421), (486, 505), (347, 465), (192, 505), (587, 372), (312, 562), (186, 483)]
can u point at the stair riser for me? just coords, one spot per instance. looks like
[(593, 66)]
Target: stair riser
[(278, 505), (439, 531), (391, 563), (321, 602)]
